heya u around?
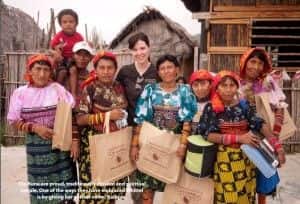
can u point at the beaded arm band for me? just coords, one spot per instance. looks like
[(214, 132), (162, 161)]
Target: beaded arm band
[(24, 126), (186, 131), (135, 135)]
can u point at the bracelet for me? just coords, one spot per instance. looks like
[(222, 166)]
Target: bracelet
[(30, 127), (135, 140), (183, 139), (274, 141), (98, 118), (228, 139)]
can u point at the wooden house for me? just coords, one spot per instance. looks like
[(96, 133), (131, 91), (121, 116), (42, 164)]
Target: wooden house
[(229, 27)]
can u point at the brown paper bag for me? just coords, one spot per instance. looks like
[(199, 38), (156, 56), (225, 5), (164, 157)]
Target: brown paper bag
[(264, 110), (189, 190), (109, 153), (62, 138), (157, 156)]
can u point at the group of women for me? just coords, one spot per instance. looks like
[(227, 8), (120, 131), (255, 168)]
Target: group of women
[(140, 92)]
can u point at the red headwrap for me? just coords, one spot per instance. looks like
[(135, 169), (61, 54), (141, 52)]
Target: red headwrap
[(95, 60), (33, 59), (216, 101), (245, 57), (201, 74)]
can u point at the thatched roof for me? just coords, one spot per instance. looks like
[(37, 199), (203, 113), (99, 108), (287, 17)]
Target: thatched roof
[(150, 14), (19, 31)]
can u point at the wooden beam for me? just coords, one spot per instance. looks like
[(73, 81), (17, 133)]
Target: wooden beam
[(288, 69), (247, 14), (229, 21), (276, 27), (276, 36), (258, 8), (288, 61), (285, 54), (274, 45), (227, 50)]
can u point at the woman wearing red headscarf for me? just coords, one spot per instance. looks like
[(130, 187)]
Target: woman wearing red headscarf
[(100, 94), (255, 69), (201, 84), (32, 110), (229, 122)]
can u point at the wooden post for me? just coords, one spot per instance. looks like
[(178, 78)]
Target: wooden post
[(86, 32), (37, 45), (196, 58), (52, 27)]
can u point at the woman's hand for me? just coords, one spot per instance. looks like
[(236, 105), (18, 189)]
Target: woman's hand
[(281, 156), (181, 150), (249, 138), (75, 149), (42, 131), (116, 114), (134, 153)]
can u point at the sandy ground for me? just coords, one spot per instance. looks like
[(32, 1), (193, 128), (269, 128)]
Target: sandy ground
[(13, 177)]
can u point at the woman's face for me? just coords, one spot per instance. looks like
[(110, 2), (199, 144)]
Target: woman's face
[(82, 59), (105, 71), (227, 90), (167, 71), (141, 52), (41, 74), (68, 24), (201, 88), (254, 67)]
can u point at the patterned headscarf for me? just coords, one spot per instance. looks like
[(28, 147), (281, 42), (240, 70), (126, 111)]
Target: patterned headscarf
[(217, 104), (32, 60), (201, 74), (245, 57), (95, 60)]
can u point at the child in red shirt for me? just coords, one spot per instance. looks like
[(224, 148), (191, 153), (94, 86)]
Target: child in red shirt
[(63, 43)]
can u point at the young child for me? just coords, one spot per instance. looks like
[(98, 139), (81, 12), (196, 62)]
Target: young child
[(63, 43), (201, 83)]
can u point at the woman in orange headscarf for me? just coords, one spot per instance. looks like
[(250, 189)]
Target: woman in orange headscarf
[(255, 69), (32, 110), (201, 84), (101, 94), (229, 122)]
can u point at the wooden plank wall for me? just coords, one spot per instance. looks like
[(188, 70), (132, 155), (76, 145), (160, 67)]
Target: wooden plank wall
[(292, 91), (227, 40), (254, 2), (13, 78)]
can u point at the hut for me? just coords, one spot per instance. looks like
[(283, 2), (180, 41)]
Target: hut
[(166, 36), (229, 27)]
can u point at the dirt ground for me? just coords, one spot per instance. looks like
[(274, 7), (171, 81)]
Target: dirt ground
[(13, 179)]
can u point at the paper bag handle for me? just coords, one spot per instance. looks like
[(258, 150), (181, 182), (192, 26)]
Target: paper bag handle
[(106, 122)]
